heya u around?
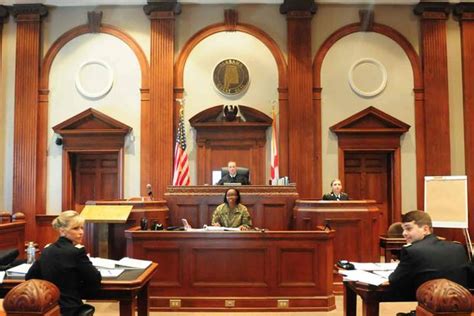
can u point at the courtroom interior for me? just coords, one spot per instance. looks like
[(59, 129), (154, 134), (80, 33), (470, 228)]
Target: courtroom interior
[(137, 113)]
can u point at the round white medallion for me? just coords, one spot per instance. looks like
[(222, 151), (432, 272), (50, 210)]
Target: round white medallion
[(94, 79), (367, 77)]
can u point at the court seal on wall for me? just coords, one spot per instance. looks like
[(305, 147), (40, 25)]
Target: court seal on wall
[(231, 77)]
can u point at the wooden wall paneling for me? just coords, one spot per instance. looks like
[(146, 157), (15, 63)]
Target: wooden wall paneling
[(302, 122), (26, 114), (417, 89), (161, 136), (282, 82), (465, 14), (433, 18), (45, 233), (12, 235)]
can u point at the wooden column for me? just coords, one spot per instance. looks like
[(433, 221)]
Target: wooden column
[(158, 149), (465, 14), (304, 122), (25, 145), (433, 18)]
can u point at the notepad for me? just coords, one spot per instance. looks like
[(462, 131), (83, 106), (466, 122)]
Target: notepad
[(134, 263), (110, 273), (19, 270)]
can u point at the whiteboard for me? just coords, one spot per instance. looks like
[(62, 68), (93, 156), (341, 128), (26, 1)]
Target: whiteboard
[(446, 201)]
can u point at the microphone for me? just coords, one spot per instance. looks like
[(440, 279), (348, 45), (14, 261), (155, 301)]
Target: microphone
[(149, 191)]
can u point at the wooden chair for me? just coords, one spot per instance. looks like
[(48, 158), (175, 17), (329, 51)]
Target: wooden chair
[(443, 297), (32, 298)]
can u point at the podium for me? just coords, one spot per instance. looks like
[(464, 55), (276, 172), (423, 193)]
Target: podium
[(106, 222)]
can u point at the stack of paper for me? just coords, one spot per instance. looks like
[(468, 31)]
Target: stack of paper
[(374, 273), (134, 263), (20, 270), (103, 263)]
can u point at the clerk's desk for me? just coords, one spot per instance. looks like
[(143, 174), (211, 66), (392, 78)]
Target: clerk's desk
[(270, 206), (237, 271), (131, 289)]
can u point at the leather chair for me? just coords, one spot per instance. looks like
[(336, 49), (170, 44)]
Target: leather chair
[(240, 171)]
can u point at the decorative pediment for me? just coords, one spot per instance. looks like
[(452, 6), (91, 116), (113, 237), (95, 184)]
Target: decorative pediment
[(91, 122), (216, 115), (370, 120)]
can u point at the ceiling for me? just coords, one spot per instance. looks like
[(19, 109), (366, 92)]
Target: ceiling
[(142, 2)]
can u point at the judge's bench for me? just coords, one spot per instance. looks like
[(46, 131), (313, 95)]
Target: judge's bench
[(287, 264)]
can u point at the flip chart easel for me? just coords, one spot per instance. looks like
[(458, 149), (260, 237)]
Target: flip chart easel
[(446, 202)]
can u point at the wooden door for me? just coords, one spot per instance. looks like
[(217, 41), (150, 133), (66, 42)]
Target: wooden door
[(96, 177), (367, 176)]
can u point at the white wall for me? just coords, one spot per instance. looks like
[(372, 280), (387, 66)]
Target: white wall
[(199, 90), (121, 103), (340, 102)]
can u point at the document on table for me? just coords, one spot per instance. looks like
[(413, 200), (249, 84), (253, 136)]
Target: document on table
[(363, 276), (2, 276), (134, 263), (103, 263), (375, 266), (19, 270), (220, 228), (110, 273)]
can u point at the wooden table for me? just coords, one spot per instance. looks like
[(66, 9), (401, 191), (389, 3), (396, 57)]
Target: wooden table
[(371, 296), (130, 289)]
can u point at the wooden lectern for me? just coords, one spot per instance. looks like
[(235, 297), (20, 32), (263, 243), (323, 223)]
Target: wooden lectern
[(106, 238)]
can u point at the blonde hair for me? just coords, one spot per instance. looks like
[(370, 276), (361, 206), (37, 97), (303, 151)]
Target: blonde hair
[(67, 219)]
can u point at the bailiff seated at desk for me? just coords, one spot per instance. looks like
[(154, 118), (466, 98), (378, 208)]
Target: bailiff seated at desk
[(425, 258), (336, 193), (66, 264), (232, 213), (232, 176)]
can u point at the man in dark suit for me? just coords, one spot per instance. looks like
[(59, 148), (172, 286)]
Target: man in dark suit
[(425, 257), (232, 176), (336, 193)]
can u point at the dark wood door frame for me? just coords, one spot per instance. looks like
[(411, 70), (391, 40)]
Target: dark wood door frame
[(373, 130), (68, 198)]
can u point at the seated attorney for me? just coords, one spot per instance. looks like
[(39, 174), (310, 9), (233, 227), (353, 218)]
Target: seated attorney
[(232, 176), (231, 213), (336, 193), (65, 263), (425, 257)]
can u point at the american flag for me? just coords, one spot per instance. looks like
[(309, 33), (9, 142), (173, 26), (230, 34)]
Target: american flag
[(181, 165), (274, 173)]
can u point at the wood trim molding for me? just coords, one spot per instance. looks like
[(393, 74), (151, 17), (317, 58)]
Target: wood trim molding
[(433, 18), (282, 75), (44, 93), (26, 170), (465, 14), (418, 89)]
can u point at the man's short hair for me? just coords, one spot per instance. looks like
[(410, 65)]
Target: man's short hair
[(419, 217)]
